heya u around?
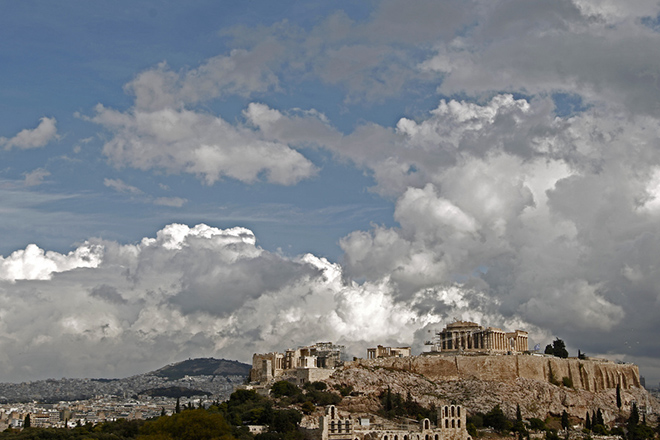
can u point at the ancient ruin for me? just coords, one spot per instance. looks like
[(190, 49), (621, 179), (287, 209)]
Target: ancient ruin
[(305, 364), (470, 337), (451, 426), (384, 352)]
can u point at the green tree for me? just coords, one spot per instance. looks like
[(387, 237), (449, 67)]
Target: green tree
[(536, 424), (388, 400), (637, 430), (195, 424), (633, 420), (472, 430), (286, 420), (551, 434), (587, 423), (564, 420), (598, 423), (618, 396), (284, 388), (177, 408), (559, 348), (27, 423), (496, 419), (307, 407)]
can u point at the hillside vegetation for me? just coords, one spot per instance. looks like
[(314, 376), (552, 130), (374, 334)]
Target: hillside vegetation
[(203, 367)]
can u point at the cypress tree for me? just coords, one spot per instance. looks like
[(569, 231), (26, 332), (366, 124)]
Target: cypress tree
[(633, 420), (618, 395), (564, 420), (599, 417), (587, 423), (388, 399), (177, 408), (27, 422), (518, 413)]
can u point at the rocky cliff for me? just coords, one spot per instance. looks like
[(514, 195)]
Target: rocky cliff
[(480, 382), (590, 375)]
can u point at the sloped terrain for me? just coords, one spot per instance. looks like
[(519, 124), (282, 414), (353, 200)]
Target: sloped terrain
[(203, 367), (536, 398)]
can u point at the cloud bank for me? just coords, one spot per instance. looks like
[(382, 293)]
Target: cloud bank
[(192, 292), (528, 196)]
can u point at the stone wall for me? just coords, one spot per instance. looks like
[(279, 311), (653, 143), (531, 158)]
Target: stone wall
[(590, 375)]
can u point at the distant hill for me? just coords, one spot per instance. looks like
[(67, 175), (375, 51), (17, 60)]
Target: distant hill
[(175, 392), (202, 367), (205, 376)]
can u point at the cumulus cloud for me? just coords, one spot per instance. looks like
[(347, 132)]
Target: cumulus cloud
[(191, 291), (201, 144), (529, 208), (37, 137), (34, 263), (594, 49), (508, 211)]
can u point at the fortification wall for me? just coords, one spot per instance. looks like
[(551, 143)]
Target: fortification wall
[(590, 375)]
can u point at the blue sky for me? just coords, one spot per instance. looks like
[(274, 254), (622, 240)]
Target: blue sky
[(65, 59), (222, 178)]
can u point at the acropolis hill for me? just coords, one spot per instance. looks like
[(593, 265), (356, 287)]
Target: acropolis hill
[(462, 350), (590, 375), (470, 365)]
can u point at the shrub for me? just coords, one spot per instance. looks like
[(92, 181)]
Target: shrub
[(284, 388), (344, 390), (307, 407), (536, 424)]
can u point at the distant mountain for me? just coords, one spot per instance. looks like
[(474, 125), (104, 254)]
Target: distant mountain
[(203, 367), (204, 376)]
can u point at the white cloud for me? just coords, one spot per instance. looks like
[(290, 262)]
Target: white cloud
[(187, 292), (34, 263), (36, 177), (37, 137), (241, 72), (120, 186), (593, 49), (204, 145), (529, 208)]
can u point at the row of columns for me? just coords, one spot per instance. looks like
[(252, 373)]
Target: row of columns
[(483, 340)]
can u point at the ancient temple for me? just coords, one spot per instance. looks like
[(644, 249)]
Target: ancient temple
[(465, 336)]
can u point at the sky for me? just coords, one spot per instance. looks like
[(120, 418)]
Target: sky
[(217, 179)]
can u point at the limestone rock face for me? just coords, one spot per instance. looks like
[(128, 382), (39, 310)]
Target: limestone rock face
[(480, 382), (590, 375)]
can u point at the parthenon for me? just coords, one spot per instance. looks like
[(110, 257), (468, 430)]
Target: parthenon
[(465, 336)]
